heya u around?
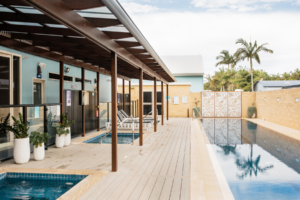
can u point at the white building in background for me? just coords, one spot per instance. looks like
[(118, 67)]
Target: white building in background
[(187, 69)]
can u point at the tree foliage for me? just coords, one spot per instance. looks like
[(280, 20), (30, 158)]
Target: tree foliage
[(240, 78)]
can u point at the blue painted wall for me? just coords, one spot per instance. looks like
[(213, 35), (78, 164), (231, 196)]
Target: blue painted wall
[(197, 82), (29, 70)]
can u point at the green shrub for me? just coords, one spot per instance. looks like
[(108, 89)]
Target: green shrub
[(37, 139), (4, 123), (252, 110), (20, 128)]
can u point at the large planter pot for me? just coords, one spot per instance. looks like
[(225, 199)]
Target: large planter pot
[(68, 138), (60, 141), (39, 152), (21, 150)]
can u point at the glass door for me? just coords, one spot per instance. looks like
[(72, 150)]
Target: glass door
[(10, 95), (5, 77), (6, 138)]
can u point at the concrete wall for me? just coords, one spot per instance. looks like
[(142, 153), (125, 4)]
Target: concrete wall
[(285, 112)]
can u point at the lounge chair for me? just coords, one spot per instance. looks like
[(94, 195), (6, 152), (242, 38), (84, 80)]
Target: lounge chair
[(145, 119), (127, 123)]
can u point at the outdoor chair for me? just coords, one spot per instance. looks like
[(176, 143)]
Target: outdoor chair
[(127, 123)]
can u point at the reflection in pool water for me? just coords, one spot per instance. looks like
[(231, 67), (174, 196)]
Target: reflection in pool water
[(258, 163)]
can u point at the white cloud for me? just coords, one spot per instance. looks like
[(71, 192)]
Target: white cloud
[(188, 33), (238, 5), (132, 8)]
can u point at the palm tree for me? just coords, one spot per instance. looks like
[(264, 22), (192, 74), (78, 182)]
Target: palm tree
[(225, 59), (250, 166), (249, 52)]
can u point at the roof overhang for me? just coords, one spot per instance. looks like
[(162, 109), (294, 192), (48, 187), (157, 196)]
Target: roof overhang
[(188, 74), (57, 30)]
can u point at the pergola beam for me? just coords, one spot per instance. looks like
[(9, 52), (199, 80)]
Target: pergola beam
[(64, 15), (44, 19), (81, 5)]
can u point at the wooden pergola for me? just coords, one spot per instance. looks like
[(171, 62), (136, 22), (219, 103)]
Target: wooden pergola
[(85, 34)]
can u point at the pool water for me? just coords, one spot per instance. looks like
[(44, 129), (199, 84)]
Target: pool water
[(258, 163), (123, 138), (27, 186)]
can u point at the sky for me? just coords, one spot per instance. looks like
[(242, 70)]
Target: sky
[(206, 27)]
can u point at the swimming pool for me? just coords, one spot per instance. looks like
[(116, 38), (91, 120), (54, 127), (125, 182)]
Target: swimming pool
[(258, 163), (35, 185), (123, 138)]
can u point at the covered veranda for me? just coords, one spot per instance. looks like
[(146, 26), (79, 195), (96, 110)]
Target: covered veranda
[(95, 35)]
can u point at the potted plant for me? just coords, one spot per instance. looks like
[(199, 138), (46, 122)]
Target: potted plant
[(38, 140), (60, 136), (21, 146), (252, 111), (66, 124)]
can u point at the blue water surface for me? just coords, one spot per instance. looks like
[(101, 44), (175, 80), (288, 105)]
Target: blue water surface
[(33, 189), (258, 163), (123, 138)]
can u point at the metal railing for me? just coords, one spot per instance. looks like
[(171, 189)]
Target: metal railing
[(40, 116), (197, 112)]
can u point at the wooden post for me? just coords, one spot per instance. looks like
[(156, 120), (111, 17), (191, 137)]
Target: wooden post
[(61, 89), (155, 105), (162, 103), (114, 104), (167, 101), (123, 90), (188, 113), (130, 105), (98, 101), (83, 106), (141, 105)]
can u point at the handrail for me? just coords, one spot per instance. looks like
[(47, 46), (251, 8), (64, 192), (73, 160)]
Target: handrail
[(29, 105), (195, 108), (132, 130), (107, 134)]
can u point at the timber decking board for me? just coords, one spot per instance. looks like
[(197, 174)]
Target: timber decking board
[(160, 169)]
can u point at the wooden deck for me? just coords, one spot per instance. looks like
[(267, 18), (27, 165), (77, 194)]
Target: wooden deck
[(158, 170)]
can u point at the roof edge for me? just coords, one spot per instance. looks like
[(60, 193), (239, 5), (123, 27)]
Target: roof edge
[(116, 8), (188, 74)]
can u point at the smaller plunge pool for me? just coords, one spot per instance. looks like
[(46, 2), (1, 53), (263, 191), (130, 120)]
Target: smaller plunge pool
[(36, 185), (123, 138)]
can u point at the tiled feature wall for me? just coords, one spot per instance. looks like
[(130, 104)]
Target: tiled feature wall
[(284, 111), (69, 177)]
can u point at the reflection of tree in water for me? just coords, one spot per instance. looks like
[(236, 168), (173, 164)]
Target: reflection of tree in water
[(250, 166), (227, 149)]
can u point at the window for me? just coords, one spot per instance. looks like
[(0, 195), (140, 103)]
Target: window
[(158, 99), (147, 97), (159, 109), (57, 77), (16, 80), (147, 109), (87, 81)]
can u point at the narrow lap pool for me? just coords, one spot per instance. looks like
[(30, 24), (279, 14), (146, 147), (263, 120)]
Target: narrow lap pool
[(35, 186), (258, 163), (123, 138)]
